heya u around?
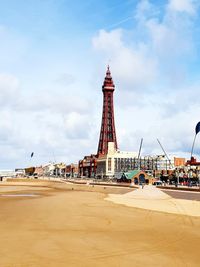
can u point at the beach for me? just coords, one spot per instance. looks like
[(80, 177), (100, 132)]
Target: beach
[(57, 224)]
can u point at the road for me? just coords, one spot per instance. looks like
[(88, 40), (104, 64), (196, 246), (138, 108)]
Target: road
[(182, 194)]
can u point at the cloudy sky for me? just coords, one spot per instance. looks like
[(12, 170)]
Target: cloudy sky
[(53, 59)]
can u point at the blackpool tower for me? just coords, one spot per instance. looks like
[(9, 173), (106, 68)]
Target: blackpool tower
[(107, 133)]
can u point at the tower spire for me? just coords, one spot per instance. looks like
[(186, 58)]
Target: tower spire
[(107, 132)]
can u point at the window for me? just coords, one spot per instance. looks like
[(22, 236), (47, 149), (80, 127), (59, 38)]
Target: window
[(109, 164), (110, 136)]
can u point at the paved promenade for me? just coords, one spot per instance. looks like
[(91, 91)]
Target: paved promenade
[(183, 194), (152, 198)]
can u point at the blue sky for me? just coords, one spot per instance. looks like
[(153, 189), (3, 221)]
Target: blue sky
[(53, 58)]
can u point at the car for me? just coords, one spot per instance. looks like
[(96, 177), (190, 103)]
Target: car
[(35, 175), (193, 183), (157, 183)]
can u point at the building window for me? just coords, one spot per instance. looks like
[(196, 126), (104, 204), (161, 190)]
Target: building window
[(109, 164), (110, 136)]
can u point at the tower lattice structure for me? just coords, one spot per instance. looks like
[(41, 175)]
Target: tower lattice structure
[(107, 133)]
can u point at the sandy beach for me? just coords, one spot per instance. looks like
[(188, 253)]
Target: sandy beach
[(56, 224)]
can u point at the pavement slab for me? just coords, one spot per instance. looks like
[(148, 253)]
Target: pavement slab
[(152, 198)]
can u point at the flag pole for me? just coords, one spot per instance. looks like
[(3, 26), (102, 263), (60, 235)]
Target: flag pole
[(31, 158), (197, 130), (140, 148), (139, 153), (193, 145)]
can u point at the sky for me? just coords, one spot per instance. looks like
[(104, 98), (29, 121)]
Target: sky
[(53, 59)]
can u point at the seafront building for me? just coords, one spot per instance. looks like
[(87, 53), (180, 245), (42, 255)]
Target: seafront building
[(114, 162), (87, 166), (71, 170)]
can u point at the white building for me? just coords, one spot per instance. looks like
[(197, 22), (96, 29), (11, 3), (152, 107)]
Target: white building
[(115, 162), (107, 165)]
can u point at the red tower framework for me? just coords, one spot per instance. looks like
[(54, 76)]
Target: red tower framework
[(107, 133)]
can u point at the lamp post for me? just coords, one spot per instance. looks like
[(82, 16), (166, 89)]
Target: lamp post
[(178, 178), (190, 176), (198, 176)]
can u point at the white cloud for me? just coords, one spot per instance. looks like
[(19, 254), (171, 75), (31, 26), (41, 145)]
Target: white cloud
[(77, 125), (149, 64), (188, 6), (157, 48), (169, 41), (51, 122), (55, 110), (145, 10), (130, 64), (107, 41)]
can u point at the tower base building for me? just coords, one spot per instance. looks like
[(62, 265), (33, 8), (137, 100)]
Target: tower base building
[(115, 162)]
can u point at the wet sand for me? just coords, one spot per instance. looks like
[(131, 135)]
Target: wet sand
[(73, 225)]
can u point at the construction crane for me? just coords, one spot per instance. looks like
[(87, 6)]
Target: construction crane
[(165, 153)]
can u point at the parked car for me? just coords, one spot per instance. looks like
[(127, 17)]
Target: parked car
[(157, 183), (35, 175), (194, 183)]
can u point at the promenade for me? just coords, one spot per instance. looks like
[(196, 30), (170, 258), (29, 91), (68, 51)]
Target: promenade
[(152, 198)]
